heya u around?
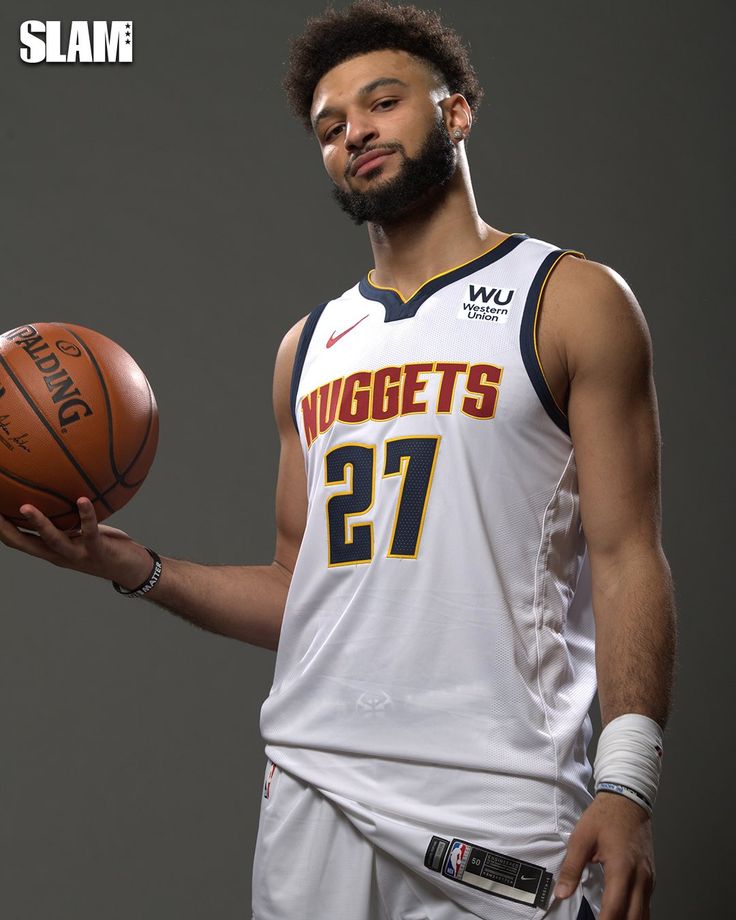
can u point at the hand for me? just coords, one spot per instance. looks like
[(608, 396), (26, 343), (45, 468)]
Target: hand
[(95, 549), (616, 832)]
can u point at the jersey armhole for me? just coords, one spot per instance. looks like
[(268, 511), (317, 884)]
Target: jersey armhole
[(301, 353), (528, 337)]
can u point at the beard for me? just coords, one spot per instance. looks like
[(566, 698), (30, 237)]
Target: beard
[(420, 180)]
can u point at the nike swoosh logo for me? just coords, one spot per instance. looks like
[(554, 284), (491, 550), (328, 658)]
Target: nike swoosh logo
[(336, 338)]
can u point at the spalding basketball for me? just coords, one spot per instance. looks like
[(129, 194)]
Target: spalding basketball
[(77, 419)]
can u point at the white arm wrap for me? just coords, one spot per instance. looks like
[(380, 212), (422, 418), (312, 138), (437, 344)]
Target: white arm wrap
[(629, 759)]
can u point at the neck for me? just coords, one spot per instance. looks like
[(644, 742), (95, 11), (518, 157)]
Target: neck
[(433, 238)]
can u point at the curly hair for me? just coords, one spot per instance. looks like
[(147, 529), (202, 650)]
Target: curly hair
[(375, 25)]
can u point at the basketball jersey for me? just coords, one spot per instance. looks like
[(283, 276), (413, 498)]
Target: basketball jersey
[(436, 661)]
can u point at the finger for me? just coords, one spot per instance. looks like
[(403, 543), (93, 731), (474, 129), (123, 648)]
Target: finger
[(579, 852), (6, 528), (617, 890), (640, 896), (28, 543), (635, 905), (54, 539), (88, 525), (648, 892)]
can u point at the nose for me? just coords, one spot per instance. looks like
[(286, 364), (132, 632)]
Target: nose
[(359, 132)]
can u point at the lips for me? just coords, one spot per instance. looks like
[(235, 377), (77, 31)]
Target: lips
[(368, 160)]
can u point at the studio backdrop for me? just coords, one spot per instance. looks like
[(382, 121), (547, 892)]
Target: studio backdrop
[(174, 204)]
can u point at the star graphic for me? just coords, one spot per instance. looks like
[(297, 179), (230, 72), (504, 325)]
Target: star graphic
[(127, 41)]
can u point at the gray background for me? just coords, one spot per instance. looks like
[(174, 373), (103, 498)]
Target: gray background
[(174, 205)]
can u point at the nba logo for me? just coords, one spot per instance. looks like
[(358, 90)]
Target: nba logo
[(456, 859)]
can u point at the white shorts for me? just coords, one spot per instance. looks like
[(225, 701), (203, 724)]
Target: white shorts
[(311, 863)]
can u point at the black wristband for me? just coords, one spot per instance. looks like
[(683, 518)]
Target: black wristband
[(149, 583)]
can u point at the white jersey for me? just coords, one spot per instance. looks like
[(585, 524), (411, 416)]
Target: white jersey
[(436, 661)]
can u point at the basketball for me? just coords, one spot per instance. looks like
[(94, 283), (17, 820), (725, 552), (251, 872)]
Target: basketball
[(78, 419)]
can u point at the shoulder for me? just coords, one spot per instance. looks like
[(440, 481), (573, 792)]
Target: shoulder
[(283, 370), (291, 355), (290, 342), (288, 348), (296, 341), (584, 281), (596, 316)]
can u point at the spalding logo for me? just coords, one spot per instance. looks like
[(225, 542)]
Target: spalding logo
[(64, 393)]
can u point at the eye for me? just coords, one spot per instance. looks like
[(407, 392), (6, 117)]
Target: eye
[(332, 132), (385, 102)]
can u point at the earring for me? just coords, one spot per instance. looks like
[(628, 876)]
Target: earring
[(457, 134)]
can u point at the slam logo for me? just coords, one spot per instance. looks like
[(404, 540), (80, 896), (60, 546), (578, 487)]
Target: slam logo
[(97, 42)]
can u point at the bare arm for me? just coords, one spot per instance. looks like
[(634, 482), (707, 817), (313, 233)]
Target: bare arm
[(614, 425), (242, 602)]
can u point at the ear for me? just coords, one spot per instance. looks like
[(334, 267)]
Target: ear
[(457, 114)]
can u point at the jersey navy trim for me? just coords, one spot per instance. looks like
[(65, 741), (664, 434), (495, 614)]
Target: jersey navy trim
[(396, 308), (527, 338), (301, 353)]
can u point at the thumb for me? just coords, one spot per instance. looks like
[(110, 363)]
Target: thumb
[(579, 851)]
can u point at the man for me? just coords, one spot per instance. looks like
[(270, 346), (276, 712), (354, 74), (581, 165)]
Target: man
[(469, 456)]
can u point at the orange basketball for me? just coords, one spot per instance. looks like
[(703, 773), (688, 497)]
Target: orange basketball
[(77, 418)]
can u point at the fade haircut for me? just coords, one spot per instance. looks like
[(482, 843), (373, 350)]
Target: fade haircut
[(376, 25)]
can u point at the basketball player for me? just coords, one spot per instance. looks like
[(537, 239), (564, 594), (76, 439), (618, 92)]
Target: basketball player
[(468, 491)]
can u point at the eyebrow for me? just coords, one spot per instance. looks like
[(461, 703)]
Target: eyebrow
[(362, 92)]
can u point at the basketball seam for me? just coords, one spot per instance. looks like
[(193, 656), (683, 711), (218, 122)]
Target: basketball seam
[(39, 488), (119, 477)]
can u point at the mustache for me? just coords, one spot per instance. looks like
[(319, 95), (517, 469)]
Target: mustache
[(386, 145)]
